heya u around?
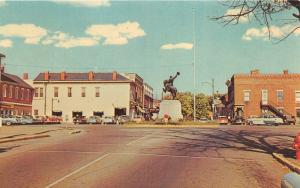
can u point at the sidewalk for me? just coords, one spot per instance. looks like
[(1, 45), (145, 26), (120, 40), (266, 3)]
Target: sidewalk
[(26, 132)]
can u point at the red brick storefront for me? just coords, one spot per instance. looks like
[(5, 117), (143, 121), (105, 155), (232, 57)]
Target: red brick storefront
[(15, 95), (249, 93)]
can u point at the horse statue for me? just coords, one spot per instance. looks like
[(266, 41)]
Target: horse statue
[(168, 85)]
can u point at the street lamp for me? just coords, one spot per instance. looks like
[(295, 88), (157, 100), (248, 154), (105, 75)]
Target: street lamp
[(212, 84)]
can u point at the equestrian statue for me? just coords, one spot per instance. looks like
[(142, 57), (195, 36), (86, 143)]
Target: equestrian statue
[(168, 85)]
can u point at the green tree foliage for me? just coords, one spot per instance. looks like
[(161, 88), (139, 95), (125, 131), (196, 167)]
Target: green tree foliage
[(187, 101), (202, 105)]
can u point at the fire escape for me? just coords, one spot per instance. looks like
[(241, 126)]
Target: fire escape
[(286, 116)]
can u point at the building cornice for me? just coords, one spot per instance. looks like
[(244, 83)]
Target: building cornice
[(14, 103)]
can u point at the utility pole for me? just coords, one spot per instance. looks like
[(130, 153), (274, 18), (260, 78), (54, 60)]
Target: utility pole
[(194, 67), (213, 97)]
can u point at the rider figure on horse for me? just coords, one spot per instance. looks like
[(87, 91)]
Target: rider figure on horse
[(168, 85)]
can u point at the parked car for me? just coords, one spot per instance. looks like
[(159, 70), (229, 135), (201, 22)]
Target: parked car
[(223, 120), (94, 120), (238, 120), (25, 120), (264, 120), (39, 120), (9, 120), (109, 120), (80, 120), (123, 119), (203, 120)]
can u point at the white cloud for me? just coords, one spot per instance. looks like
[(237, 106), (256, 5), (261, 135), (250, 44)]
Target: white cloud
[(263, 33), (6, 43), (2, 3), (63, 40), (185, 46), (30, 32), (85, 3), (236, 11), (116, 34), (110, 34)]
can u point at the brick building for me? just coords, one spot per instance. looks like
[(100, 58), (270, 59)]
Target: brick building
[(148, 97), (257, 93), (15, 94)]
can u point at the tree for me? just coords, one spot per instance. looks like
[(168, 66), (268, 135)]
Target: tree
[(262, 11), (202, 105), (187, 103), (186, 100)]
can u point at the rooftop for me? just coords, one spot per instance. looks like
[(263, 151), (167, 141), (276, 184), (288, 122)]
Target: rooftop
[(104, 77)]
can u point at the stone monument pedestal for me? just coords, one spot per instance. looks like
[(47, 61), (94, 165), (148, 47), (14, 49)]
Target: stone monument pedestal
[(170, 111)]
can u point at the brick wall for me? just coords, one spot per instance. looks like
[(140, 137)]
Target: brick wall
[(256, 82)]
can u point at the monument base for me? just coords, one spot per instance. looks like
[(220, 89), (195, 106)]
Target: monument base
[(170, 111)]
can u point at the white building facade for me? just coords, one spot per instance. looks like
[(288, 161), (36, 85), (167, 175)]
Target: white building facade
[(84, 94)]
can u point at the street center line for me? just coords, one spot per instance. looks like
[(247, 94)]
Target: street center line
[(78, 170), (191, 157), (137, 140)]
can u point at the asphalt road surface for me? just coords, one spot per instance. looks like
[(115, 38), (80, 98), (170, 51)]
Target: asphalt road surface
[(116, 157)]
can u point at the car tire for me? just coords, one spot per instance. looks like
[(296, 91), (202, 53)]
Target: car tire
[(8, 123), (251, 123)]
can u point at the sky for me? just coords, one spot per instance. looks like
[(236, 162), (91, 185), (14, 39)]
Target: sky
[(154, 39)]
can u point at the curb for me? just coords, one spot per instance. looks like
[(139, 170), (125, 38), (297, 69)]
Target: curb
[(171, 126), (24, 138), (75, 132), (291, 165)]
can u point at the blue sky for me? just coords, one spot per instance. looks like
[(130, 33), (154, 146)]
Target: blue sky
[(153, 39)]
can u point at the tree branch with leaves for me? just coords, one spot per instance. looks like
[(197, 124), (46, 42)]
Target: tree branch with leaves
[(261, 11)]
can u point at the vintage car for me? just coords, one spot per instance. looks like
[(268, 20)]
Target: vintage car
[(109, 120), (9, 120), (265, 120), (223, 120), (94, 120)]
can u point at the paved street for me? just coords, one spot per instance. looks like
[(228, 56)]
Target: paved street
[(113, 156)]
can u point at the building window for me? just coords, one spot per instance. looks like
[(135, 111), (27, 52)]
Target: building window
[(55, 91), (69, 92), (264, 96), (17, 92), (246, 95), (297, 95), (4, 90), (97, 92), (36, 112), (28, 94), (22, 93), (10, 91), (36, 92), (279, 95), (41, 92), (83, 92)]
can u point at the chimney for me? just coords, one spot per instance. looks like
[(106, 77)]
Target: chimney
[(91, 76), (114, 76), (254, 72), (285, 72), (25, 76), (46, 76), (63, 75)]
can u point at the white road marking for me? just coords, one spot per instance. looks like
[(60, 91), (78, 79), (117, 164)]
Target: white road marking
[(78, 170), (138, 140), (63, 151), (191, 157)]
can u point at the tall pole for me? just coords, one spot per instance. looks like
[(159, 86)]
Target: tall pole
[(213, 97), (194, 67)]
